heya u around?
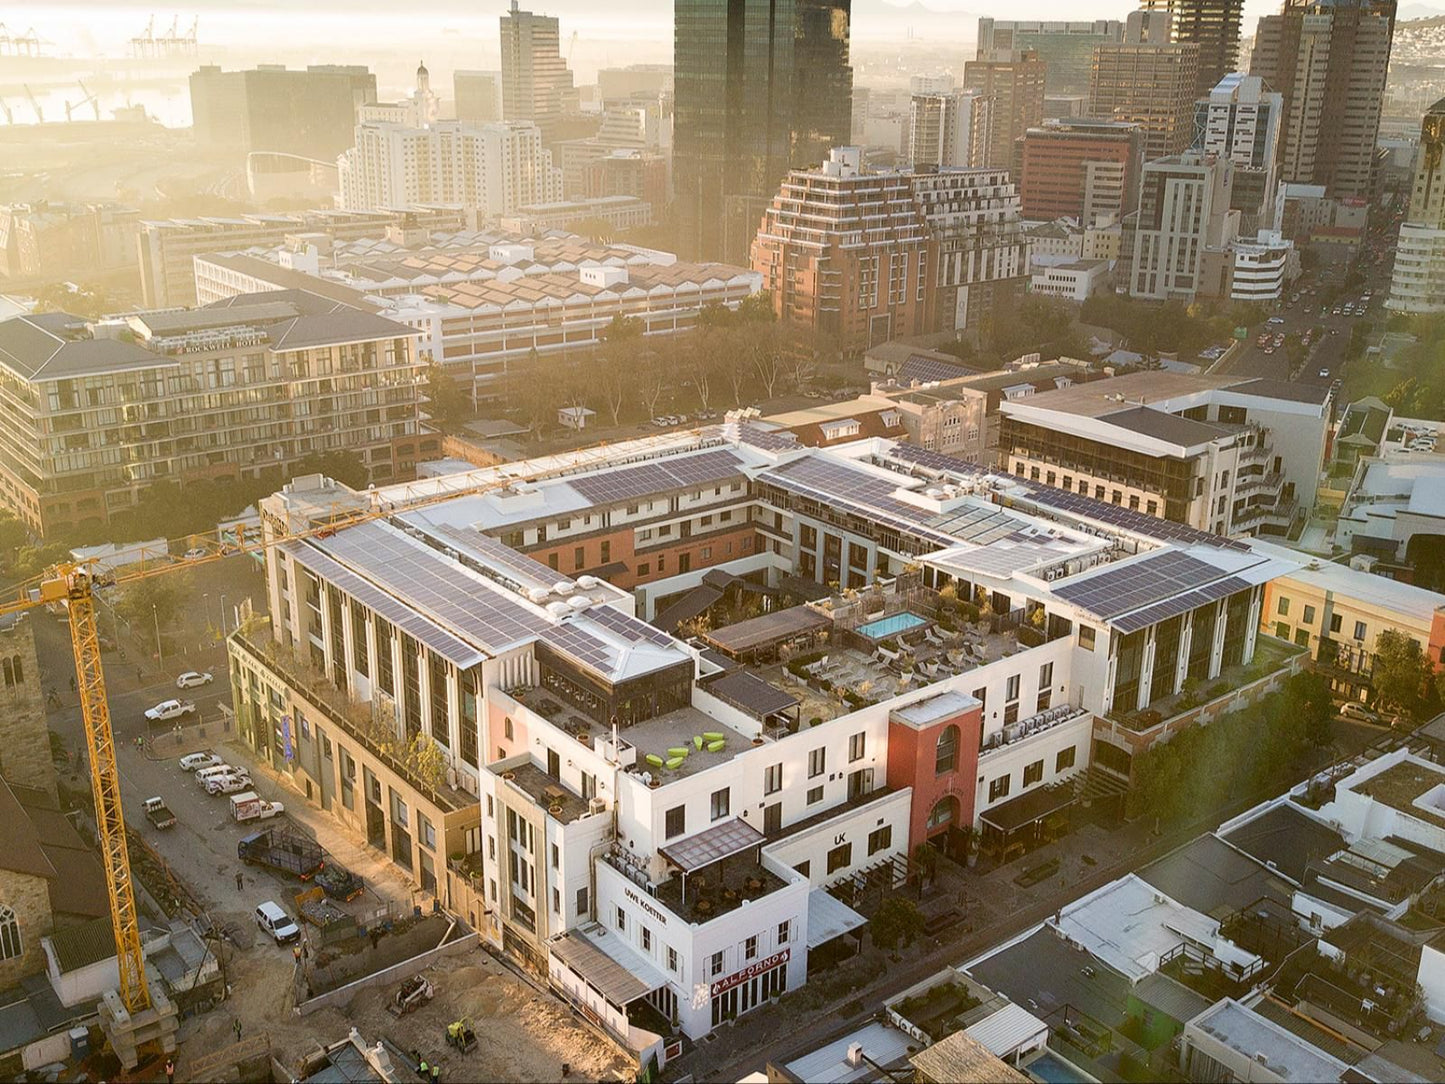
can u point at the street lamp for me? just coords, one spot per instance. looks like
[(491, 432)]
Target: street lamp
[(223, 617), (160, 656)]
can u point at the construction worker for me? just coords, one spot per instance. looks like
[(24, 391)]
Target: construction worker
[(454, 1033), (237, 1025), (423, 1070), (436, 1074), (170, 1071)]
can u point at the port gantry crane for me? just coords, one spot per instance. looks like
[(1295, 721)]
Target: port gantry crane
[(74, 584)]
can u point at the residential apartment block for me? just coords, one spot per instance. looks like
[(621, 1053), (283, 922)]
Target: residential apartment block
[(55, 241), (1418, 284), (1015, 82), (1329, 59), (1149, 81), (1241, 120), (949, 130), (1083, 169), (483, 300), (536, 82), (168, 246), (308, 113), (612, 799), (1219, 454), (1213, 25), (1184, 213), (95, 413), (491, 169), (868, 256)]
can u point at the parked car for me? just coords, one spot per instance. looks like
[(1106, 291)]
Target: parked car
[(230, 783), (249, 806), (158, 814), (193, 678), (194, 762), (276, 922), (205, 775), (1357, 712), (167, 710), (1324, 372)]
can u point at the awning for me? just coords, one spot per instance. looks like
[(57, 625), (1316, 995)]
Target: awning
[(751, 694), (829, 917), (711, 845), (618, 972), (1005, 1031), (1033, 805), (773, 628)]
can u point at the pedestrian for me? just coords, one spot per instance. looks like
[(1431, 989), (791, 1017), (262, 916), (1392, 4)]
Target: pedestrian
[(436, 1073), (296, 953), (423, 1070), (237, 1025), (240, 882), (137, 675), (72, 683), (170, 1071)]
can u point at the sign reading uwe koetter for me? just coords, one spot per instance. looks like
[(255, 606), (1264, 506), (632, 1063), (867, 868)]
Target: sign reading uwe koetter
[(737, 978)]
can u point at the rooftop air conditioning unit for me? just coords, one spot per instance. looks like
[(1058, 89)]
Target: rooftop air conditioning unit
[(562, 587), (579, 602), (597, 805), (855, 1054), (588, 582)]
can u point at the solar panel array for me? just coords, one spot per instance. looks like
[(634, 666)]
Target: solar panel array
[(581, 646), (981, 525), (628, 627), (1129, 519), (831, 482), (769, 440), (941, 461), (524, 570), (1125, 587), (431, 583), (402, 616), (649, 479), (926, 370), (1178, 604)]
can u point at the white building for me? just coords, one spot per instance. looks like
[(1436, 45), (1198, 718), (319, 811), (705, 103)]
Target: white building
[(1263, 267), (491, 168), (1077, 280), (1184, 210), (949, 129), (1418, 285), (1242, 121)]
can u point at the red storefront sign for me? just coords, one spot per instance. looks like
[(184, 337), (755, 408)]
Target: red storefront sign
[(737, 978)]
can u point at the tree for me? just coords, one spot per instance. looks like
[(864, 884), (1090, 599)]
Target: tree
[(651, 384), (1403, 677), (766, 358), (13, 535), (450, 404), (621, 329), (897, 923), (700, 370), (157, 600)]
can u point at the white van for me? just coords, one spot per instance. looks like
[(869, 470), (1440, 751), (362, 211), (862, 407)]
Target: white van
[(276, 922), (230, 783), (205, 775)]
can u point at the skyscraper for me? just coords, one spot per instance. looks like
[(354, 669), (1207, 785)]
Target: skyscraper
[(1419, 280), (1241, 119), (1081, 168), (536, 83), (478, 96), (760, 86), (1329, 59), (1149, 80), (1213, 25), (949, 129), (1067, 48), (1183, 212), (309, 113), (1016, 83)]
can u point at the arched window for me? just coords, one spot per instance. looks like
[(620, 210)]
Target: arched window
[(941, 813), (10, 946), (946, 759), (507, 727), (9, 674)]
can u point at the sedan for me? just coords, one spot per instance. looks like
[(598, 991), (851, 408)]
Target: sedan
[(193, 678), (1324, 372), (196, 761)]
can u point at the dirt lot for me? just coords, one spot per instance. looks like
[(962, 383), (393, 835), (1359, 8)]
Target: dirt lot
[(524, 1036)]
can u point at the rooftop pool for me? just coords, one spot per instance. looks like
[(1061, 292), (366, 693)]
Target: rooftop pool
[(1052, 1069), (885, 627)]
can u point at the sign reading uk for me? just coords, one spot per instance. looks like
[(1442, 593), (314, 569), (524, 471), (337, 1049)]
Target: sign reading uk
[(737, 978)]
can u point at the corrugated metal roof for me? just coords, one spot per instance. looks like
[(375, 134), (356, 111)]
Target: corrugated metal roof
[(1005, 1031), (829, 917)]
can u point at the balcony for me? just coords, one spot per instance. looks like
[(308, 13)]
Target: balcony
[(356, 718)]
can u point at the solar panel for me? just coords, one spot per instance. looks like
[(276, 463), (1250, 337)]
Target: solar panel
[(581, 646), (1179, 604), (926, 370), (1127, 519), (1153, 579), (647, 479), (523, 569), (940, 461), (769, 440), (628, 626), (390, 609), (831, 482)]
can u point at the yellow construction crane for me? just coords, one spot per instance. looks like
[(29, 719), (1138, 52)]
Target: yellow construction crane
[(73, 584)]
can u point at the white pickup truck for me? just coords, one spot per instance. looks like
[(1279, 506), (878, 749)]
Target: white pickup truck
[(167, 710), (250, 806)]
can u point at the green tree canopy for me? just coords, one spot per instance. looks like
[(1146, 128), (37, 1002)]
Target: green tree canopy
[(158, 599), (1403, 676), (897, 922)]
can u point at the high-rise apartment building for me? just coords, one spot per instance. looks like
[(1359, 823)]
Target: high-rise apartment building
[(536, 82), (490, 168), (272, 108), (478, 96), (868, 256), (1149, 80), (1241, 119), (1419, 280), (1184, 210), (1213, 25), (1328, 59), (1067, 48), (760, 87), (950, 129), (1084, 169), (1015, 81)]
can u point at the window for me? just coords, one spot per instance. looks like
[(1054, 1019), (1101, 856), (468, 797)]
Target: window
[(556, 857), (578, 557), (10, 943), (784, 930), (552, 561), (715, 965), (428, 832), (492, 848), (1086, 637), (672, 959), (644, 569), (606, 551), (581, 902), (999, 788), (750, 948), (1302, 637), (773, 779), (1335, 621), (1281, 629), (1283, 609), (857, 745), (817, 762), (1011, 688), (720, 803), (1065, 760), (676, 821), (1309, 617), (507, 728), (1046, 676), (621, 920), (840, 857), (880, 839), (556, 902), (805, 867), (1033, 773), (1359, 630), (945, 758), (815, 795), (646, 939)]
